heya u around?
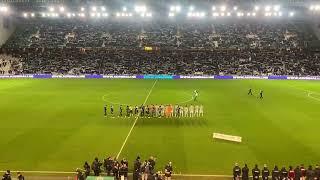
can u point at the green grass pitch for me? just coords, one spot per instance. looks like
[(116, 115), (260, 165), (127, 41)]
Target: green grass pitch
[(58, 124)]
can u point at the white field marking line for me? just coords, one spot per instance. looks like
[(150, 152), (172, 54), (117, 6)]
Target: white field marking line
[(309, 95), (307, 91), (135, 121), (66, 172)]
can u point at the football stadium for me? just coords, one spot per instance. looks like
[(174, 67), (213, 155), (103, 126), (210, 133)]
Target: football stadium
[(159, 90)]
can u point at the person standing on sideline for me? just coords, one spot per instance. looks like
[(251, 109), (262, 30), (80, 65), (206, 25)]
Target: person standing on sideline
[(236, 172), (245, 172)]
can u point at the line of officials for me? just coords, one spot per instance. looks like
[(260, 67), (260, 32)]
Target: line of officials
[(297, 173)]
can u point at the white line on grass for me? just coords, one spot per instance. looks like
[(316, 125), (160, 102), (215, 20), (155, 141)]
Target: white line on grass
[(66, 172), (135, 121)]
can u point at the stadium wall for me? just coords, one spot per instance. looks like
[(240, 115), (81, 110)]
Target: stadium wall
[(7, 27), (153, 76)]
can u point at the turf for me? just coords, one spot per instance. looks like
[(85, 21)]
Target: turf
[(58, 124)]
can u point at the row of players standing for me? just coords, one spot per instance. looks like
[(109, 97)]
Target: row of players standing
[(298, 173), (158, 111)]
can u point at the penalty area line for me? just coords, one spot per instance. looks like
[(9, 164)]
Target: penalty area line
[(135, 121)]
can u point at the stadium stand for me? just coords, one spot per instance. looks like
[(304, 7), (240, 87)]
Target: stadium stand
[(231, 48)]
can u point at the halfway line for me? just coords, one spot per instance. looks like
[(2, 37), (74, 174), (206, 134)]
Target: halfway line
[(135, 121)]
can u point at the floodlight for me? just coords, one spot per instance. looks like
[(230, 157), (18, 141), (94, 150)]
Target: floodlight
[(103, 8), (25, 15), (171, 14), (317, 7), (43, 14), (130, 14), (68, 15), (149, 14), (98, 15), (267, 8), (215, 14), (222, 8), (291, 14), (82, 9), (94, 8), (140, 8), (276, 8), (73, 14), (178, 8), (105, 14), (172, 8), (191, 8), (124, 8), (228, 14), (51, 9), (280, 14), (3, 9), (256, 8), (189, 14), (32, 14), (235, 8), (253, 14), (61, 9), (213, 8), (248, 14), (117, 14), (92, 14), (222, 14)]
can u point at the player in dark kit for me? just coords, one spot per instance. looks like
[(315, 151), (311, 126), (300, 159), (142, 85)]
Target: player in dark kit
[(291, 173), (236, 172), (128, 111), (120, 110), (105, 110), (255, 173), (283, 173), (261, 94), (265, 173), (303, 172), (142, 110), (297, 173), (148, 111), (245, 172), (111, 109), (275, 173), (250, 92)]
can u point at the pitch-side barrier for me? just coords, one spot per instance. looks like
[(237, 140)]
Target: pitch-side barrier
[(154, 76)]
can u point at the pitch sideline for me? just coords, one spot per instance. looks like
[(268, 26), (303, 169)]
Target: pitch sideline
[(66, 172), (136, 119)]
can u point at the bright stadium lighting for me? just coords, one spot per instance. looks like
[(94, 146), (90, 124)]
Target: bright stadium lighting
[(267, 8), (275, 14), (213, 8), (32, 14), (105, 14), (140, 8), (222, 14), (311, 8), (124, 9), (82, 9), (51, 9), (103, 8), (3, 9), (291, 14), (248, 14), (43, 14), (280, 14), (253, 14), (235, 8), (68, 15), (172, 8), (25, 15), (61, 9), (228, 14), (256, 8), (215, 14), (317, 7), (130, 14), (98, 15), (178, 8), (149, 14), (189, 14), (223, 8), (117, 14), (171, 14), (276, 8), (92, 14), (94, 8), (191, 8), (202, 14)]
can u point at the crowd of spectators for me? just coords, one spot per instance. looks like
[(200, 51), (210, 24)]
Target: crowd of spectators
[(293, 173), (117, 47), (142, 170)]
